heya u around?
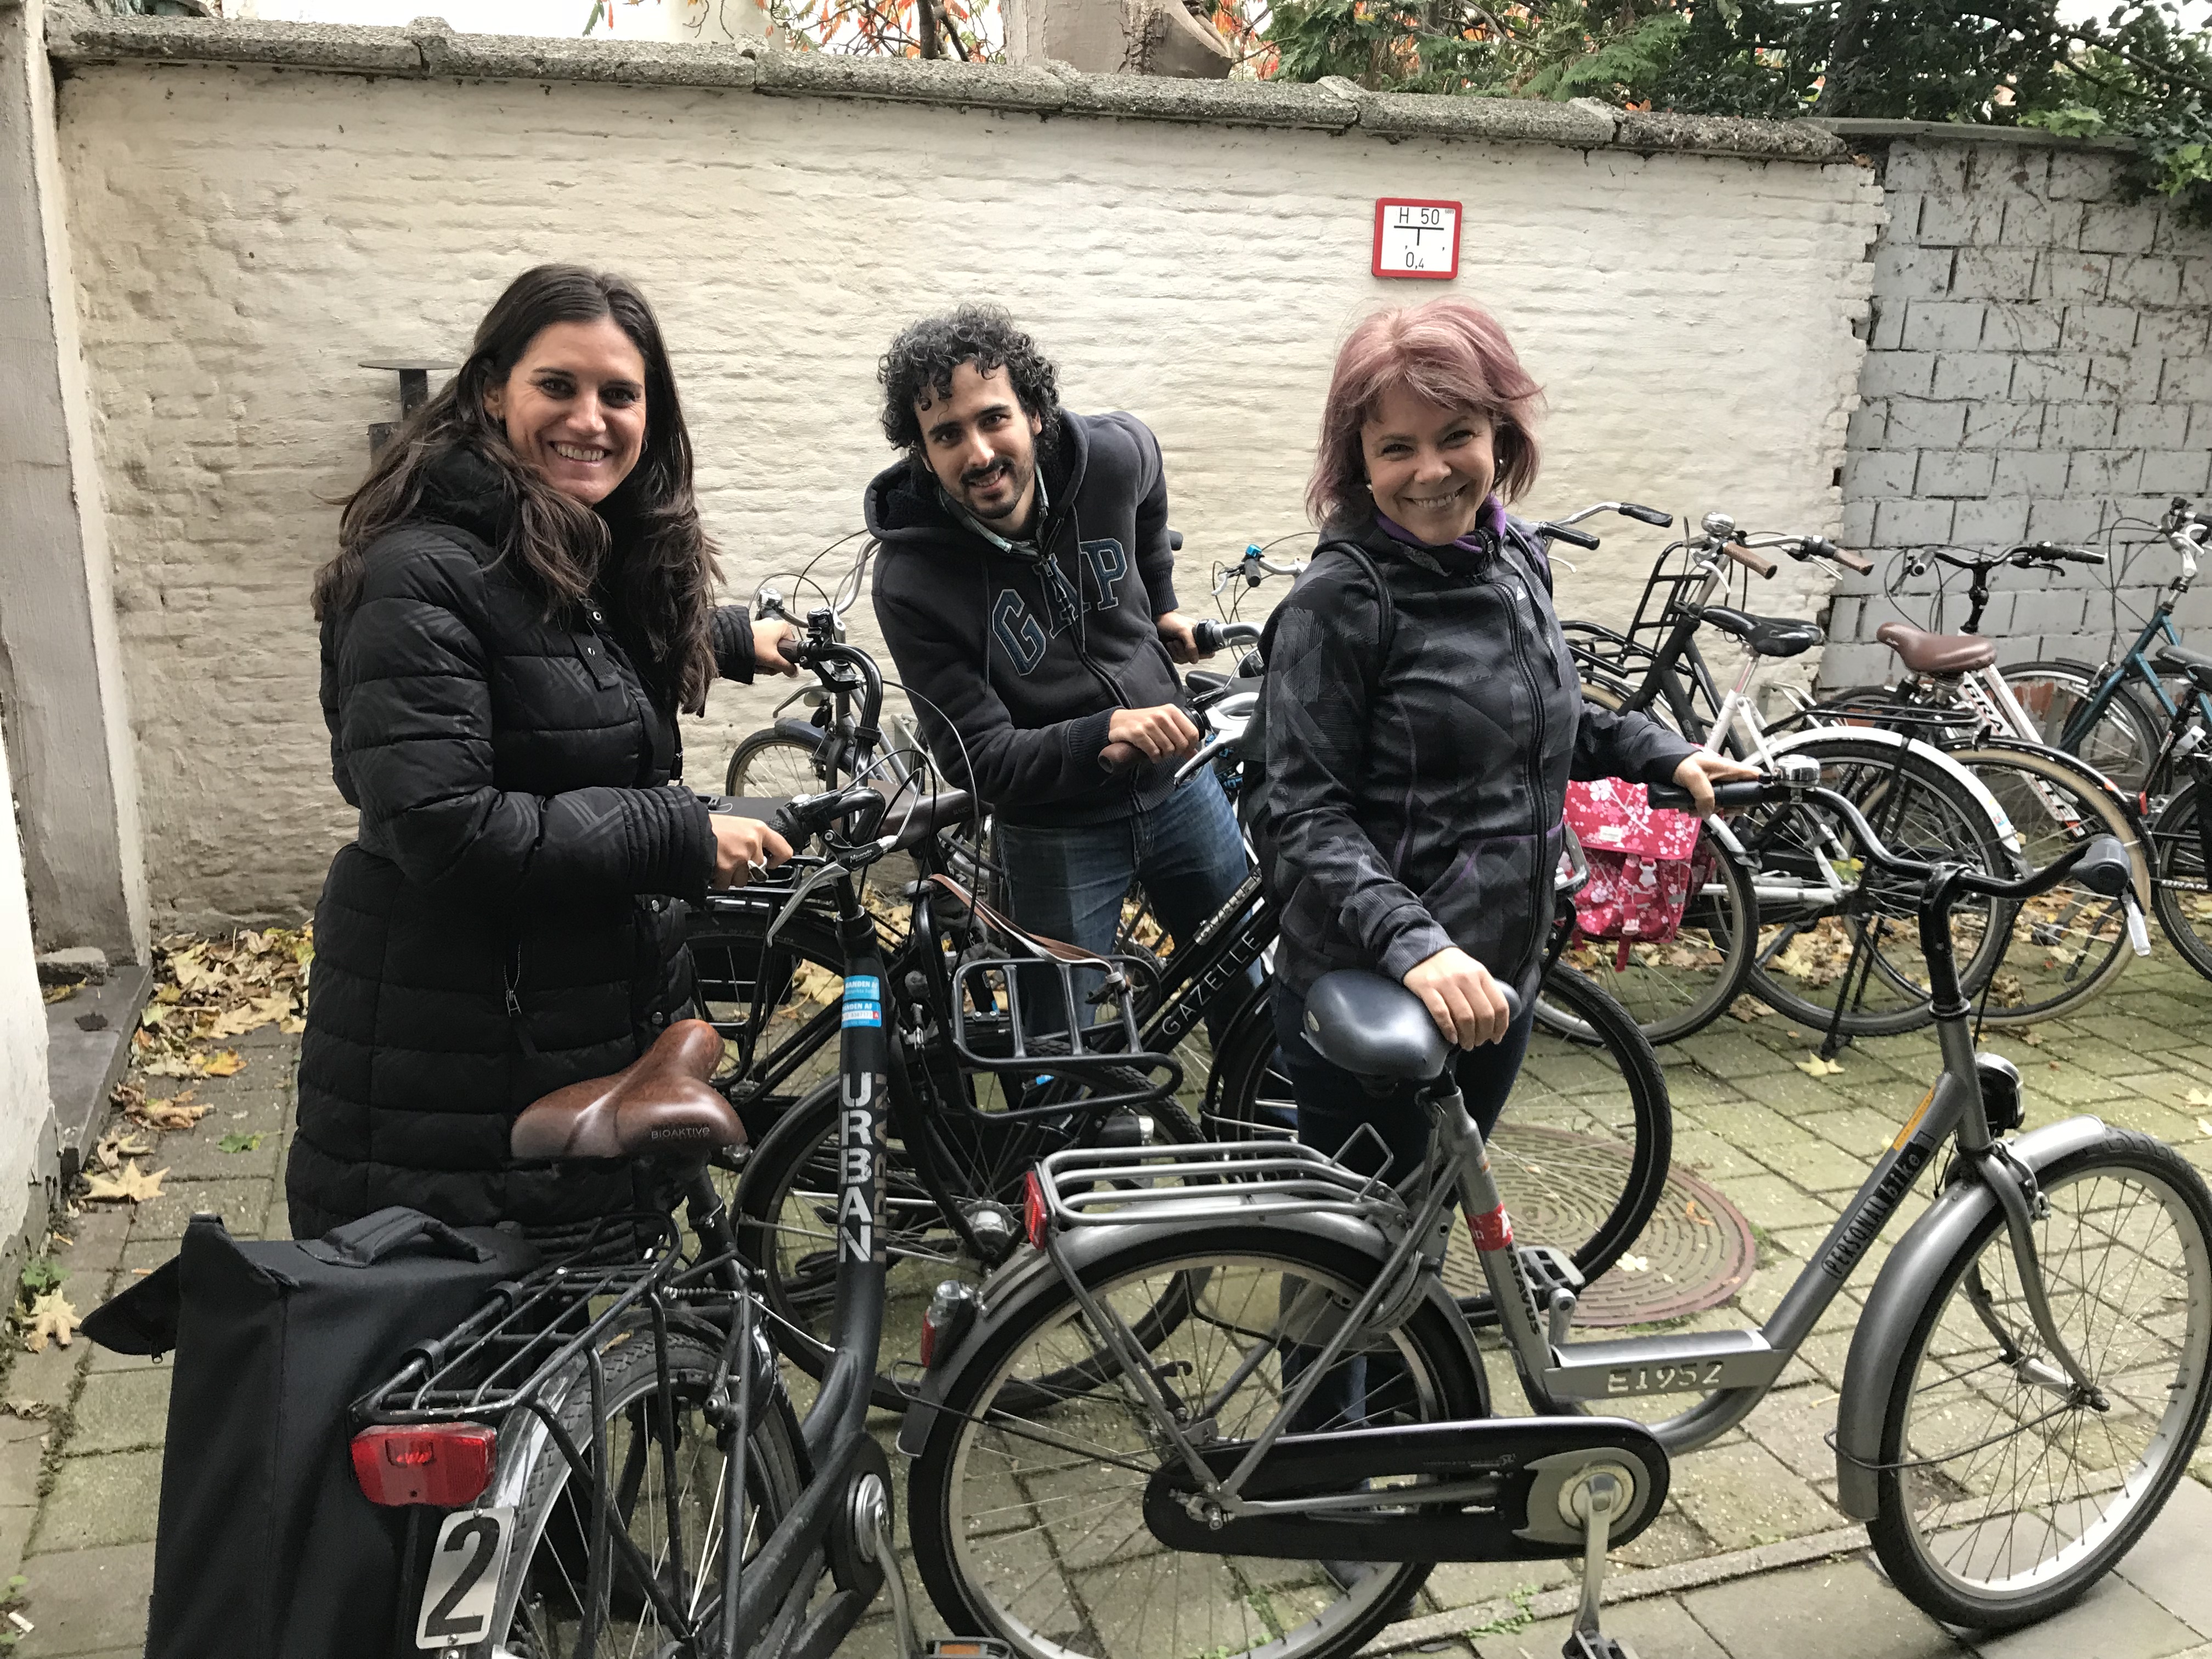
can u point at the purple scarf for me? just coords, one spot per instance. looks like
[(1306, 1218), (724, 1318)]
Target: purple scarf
[(1491, 518)]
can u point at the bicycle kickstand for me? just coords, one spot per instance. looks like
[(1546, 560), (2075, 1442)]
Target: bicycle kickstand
[(1596, 1500)]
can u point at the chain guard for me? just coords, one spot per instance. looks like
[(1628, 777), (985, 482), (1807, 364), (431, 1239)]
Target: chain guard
[(1525, 1464)]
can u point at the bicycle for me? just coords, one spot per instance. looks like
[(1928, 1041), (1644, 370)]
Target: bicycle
[(602, 1429), (1789, 911), (2180, 836), (1954, 698), (2110, 715), (2025, 1384)]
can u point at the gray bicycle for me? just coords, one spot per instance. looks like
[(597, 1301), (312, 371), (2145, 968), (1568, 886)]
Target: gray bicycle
[(1273, 1469)]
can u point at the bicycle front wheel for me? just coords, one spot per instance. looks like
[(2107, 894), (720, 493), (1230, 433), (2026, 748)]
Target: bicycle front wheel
[(1027, 1504), (1673, 989), (2070, 943), (2180, 892), (1581, 1153), (1828, 914), (2003, 1492), (772, 764), (2122, 743)]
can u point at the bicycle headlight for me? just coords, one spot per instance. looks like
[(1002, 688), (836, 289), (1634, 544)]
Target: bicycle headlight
[(2003, 1103)]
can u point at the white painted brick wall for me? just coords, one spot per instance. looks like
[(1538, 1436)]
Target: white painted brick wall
[(2022, 381), (245, 237)]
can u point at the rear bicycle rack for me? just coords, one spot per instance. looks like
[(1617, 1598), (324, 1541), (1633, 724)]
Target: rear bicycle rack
[(1212, 1181), (991, 1034)]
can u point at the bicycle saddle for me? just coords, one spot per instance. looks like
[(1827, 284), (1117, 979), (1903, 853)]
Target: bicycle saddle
[(2195, 666), (661, 1102), (1766, 637), (1936, 654), (1373, 1026)]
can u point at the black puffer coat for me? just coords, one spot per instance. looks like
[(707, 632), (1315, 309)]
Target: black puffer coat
[(506, 922)]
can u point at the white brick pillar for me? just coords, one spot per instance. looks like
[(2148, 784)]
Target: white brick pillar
[(1116, 37), (61, 682)]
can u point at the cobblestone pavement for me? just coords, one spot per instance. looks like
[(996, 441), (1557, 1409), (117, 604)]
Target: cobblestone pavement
[(1751, 1558)]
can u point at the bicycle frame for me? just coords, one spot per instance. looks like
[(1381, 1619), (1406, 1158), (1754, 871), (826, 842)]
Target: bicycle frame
[(2135, 662)]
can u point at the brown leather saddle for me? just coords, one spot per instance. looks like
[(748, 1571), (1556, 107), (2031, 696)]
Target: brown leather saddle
[(660, 1105), (1038, 945), (1936, 654)]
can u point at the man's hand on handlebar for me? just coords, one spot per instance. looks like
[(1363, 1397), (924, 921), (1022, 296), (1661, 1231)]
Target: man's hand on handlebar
[(769, 636), (1699, 772), (1175, 634), (1466, 1003), (745, 848), (1148, 734)]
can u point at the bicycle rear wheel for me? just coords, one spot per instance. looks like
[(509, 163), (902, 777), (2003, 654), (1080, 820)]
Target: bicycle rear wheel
[(772, 764), (1811, 930), (2125, 740), (2002, 1495), (1581, 1153), (2180, 892), (540, 1606), (2069, 943), (1027, 1501)]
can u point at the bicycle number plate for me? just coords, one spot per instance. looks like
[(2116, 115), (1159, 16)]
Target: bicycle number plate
[(463, 1579)]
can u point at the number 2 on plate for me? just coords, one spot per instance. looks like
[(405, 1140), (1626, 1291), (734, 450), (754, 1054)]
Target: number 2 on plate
[(463, 1579)]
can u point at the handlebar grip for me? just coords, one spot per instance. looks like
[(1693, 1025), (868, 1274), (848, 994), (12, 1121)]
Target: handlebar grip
[(1572, 538), (1857, 563), (787, 648), (1650, 515), (1749, 560), (1748, 792), (1121, 764)]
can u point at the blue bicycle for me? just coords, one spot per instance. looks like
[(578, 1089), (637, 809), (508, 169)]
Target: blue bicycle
[(2116, 716)]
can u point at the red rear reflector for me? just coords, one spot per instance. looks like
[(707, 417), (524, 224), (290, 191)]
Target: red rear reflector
[(445, 1465), (1033, 1210)]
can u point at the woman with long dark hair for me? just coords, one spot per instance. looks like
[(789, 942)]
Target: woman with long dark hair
[(520, 604)]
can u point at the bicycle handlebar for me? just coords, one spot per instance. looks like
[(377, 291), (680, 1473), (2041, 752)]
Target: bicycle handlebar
[(1213, 636), (1749, 560), (1650, 515), (1552, 532)]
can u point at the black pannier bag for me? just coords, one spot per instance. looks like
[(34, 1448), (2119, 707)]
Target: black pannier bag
[(267, 1548)]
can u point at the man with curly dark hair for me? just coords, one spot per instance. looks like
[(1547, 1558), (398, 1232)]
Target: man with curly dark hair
[(1026, 588)]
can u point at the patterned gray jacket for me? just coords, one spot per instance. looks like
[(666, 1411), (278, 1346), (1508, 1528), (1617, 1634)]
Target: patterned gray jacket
[(1416, 797)]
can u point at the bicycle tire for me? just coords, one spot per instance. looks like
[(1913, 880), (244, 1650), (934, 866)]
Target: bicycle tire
[(792, 1176), (771, 764), (1623, 1135), (804, 973), (2179, 895), (534, 1478), (2069, 944), (1677, 988), (969, 1558), (2126, 738), (1963, 1398), (1885, 782)]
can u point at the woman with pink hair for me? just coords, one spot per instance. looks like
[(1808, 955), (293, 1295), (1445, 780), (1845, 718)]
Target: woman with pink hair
[(1423, 716)]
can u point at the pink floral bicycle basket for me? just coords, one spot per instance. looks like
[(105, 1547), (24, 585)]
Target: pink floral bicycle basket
[(1643, 862)]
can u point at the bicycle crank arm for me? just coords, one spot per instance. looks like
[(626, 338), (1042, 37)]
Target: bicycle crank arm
[(1498, 1487)]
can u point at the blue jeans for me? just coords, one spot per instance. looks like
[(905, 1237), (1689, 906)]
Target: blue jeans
[(1068, 883)]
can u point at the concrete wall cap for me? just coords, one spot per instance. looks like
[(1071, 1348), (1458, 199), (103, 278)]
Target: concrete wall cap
[(429, 46), (1959, 132)]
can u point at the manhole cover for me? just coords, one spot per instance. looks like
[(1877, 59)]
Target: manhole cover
[(1695, 1252)]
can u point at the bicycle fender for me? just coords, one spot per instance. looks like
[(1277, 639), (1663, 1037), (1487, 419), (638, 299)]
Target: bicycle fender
[(1907, 1282), (1935, 757), (2089, 777), (798, 730), (1031, 1277)]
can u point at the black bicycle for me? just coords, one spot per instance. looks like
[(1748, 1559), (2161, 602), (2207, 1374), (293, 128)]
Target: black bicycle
[(636, 1474)]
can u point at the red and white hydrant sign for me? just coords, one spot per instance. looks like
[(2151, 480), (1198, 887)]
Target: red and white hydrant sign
[(1417, 239)]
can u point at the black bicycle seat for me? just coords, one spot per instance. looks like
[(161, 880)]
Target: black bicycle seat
[(1767, 637), (1373, 1026), (2195, 666)]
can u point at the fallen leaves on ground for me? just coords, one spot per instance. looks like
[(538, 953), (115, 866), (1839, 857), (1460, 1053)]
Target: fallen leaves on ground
[(236, 1142), (2197, 1097), (177, 1111), (208, 992), (132, 1184), (1748, 1008), (52, 993), (1633, 1264), (31, 1410), (51, 1315), (1814, 1066)]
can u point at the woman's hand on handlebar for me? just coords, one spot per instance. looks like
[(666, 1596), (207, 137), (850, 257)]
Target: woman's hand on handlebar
[(1175, 634), (1466, 1003), (768, 636), (745, 848), (1699, 772)]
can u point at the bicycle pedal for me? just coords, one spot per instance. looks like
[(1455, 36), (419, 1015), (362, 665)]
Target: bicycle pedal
[(1582, 1645), (968, 1647), (1548, 1269)]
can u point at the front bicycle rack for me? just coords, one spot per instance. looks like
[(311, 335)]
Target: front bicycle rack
[(1005, 1008)]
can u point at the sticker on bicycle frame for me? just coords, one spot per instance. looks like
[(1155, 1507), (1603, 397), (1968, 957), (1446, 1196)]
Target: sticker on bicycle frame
[(1913, 1122), (863, 1000), (463, 1579), (1493, 1231)]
